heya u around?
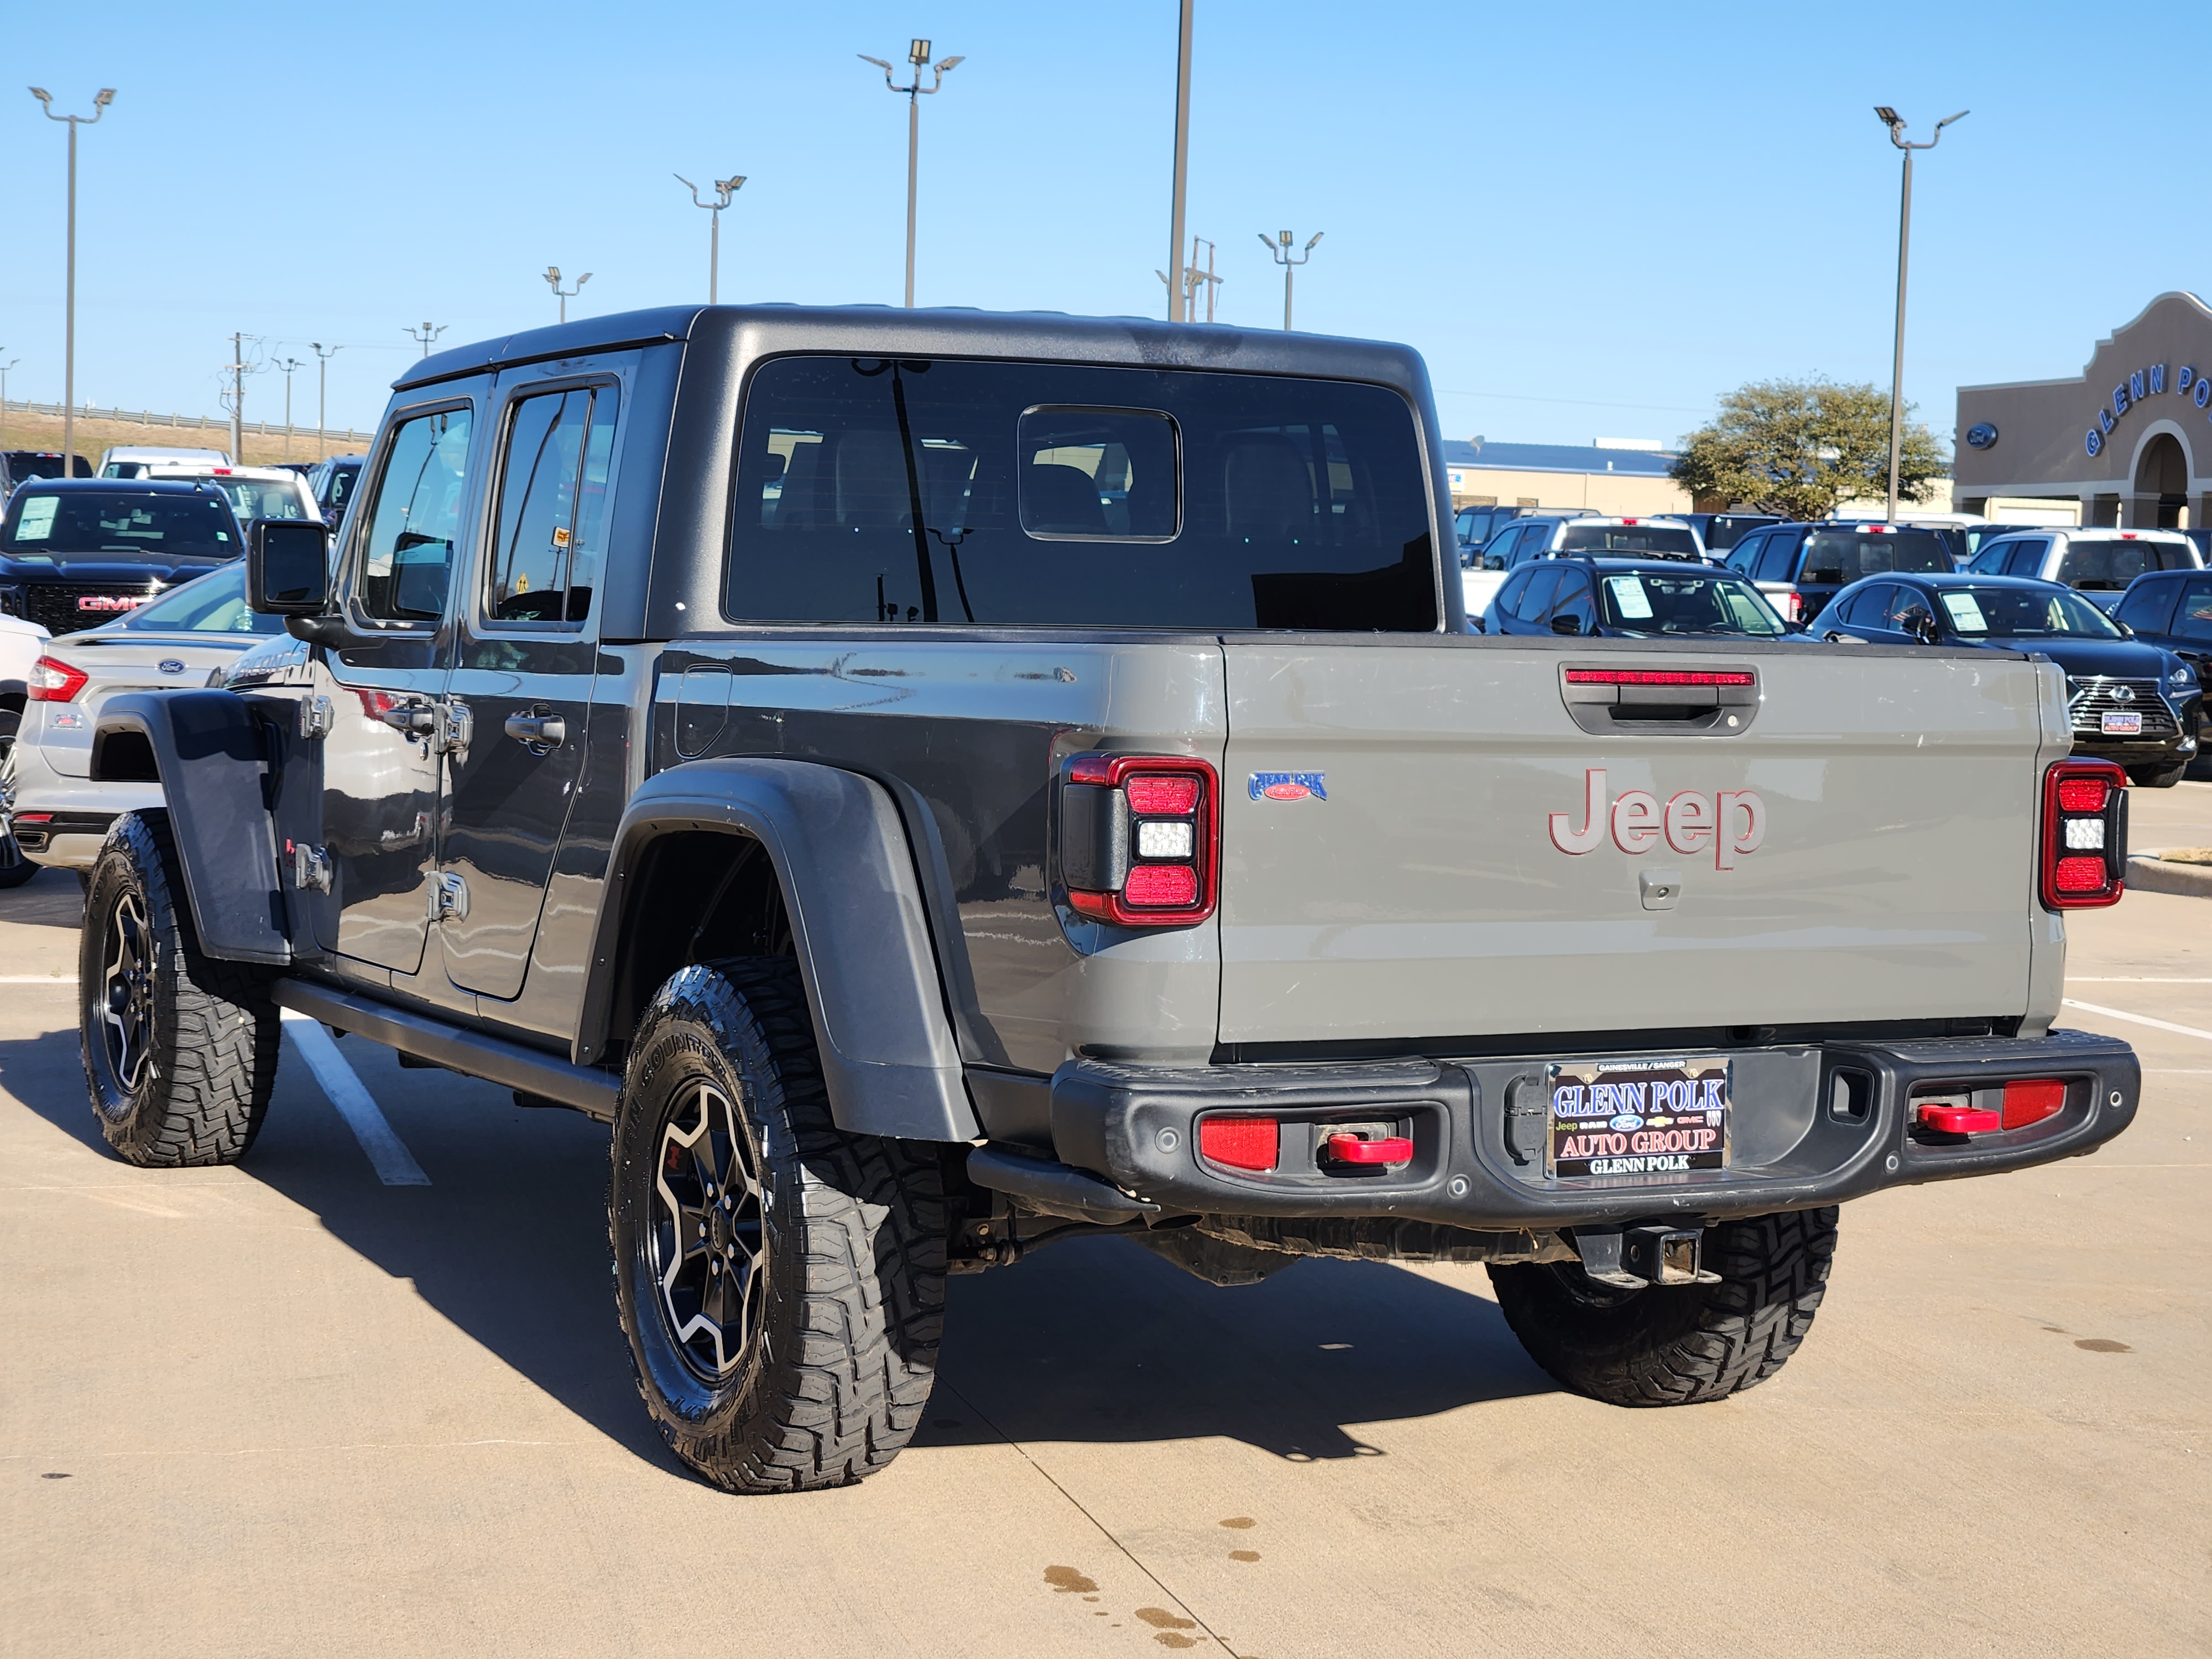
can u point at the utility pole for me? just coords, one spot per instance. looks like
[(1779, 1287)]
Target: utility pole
[(1890, 118), (237, 399), (322, 387), (1194, 279), (724, 189), (917, 54), (4, 368), (425, 334), (553, 277), (1178, 298), (288, 365), (100, 100), (1279, 245)]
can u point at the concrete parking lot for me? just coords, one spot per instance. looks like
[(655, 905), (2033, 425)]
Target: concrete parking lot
[(287, 1407)]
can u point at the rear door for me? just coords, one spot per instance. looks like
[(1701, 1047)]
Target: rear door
[(1476, 863)]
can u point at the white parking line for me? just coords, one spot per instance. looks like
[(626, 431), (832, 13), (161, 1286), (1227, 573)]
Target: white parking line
[(37, 979), (2129, 979), (2140, 1019), (395, 1165)]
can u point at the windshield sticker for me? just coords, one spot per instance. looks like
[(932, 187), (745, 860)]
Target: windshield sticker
[(1966, 615), (37, 521), (1628, 595)]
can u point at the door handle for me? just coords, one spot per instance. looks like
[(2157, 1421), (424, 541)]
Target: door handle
[(537, 732), (417, 720)]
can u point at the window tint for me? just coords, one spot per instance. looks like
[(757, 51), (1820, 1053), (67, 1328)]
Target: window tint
[(407, 557), (1777, 558), (1989, 562), (1536, 597), (1902, 607), (1011, 494), (1534, 539), (2031, 611), (120, 521), (263, 498), (2193, 619), (1508, 597), (1745, 553), (2148, 607), (1575, 600), (1845, 556), (2107, 565), (1867, 607), (2025, 558), (1668, 541), (552, 506)]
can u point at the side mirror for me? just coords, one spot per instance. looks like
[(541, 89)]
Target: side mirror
[(1565, 625), (287, 567), (1921, 626)]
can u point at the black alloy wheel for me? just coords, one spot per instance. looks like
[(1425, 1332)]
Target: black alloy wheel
[(707, 1248)]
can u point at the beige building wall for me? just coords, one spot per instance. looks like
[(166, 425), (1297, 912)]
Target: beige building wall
[(1625, 494)]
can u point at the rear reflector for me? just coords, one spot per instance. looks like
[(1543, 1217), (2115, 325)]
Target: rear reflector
[(1655, 676), (1960, 1119), (1242, 1143), (1351, 1149), (2031, 1102)]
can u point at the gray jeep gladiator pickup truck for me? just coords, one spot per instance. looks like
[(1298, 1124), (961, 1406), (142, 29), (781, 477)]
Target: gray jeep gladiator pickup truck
[(937, 782)]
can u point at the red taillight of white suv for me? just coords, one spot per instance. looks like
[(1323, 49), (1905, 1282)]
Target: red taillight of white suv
[(1140, 839), (52, 680), (2085, 834)]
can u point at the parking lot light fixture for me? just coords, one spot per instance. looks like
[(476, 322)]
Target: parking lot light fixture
[(917, 54), (425, 334), (1279, 245), (1890, 118), (724, 189), (553, 277), (322, 387), (100, 100), (290, 365)]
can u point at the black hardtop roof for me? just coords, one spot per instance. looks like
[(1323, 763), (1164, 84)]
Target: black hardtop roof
[(948, 332)]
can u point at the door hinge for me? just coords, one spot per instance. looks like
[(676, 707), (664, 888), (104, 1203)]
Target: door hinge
[(449, 897), (310, 867), (317, 717), (456, 725)]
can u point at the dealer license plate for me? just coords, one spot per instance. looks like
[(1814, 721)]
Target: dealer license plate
[(1637, 1117), (2123, 726)]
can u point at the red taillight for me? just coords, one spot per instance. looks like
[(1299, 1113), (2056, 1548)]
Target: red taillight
[(52, 680), (1140, 839), (1242, 1143), (1655, 676), (2084, 856), (2027, 1102), (1793, 606)]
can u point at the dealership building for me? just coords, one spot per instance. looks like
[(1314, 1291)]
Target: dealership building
[(2129, 439)]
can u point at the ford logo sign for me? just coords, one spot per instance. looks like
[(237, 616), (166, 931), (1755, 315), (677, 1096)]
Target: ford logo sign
[(1981, 435), (171, 666), (1625, 1122)]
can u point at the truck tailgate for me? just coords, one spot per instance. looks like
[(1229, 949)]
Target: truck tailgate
[(1861, 848)]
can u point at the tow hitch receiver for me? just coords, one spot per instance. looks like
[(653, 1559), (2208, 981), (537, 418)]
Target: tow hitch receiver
[(1631, 1258)]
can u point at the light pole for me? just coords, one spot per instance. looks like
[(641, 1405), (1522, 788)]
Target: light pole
[(553, 278), (1178, 290), (1194, 279), (724, 189), (1279, 245), (1895, 123), (425, 334), (100, 100), (4, 368), (917, 54), (239, 368), (322, 387), (288, 365)]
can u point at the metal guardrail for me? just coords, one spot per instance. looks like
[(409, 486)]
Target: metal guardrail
[(194, 422)]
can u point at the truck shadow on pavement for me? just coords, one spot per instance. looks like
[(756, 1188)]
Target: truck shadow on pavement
[(1091, 1340)]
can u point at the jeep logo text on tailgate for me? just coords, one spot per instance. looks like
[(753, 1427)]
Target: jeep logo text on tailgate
[(1731, 823)]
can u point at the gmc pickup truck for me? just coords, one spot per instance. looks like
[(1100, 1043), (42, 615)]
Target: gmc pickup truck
[(937, 783)]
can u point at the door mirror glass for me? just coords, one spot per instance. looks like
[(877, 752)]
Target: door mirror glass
[(287, 567), (406, 557)]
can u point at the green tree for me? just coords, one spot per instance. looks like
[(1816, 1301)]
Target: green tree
[(1799, 447)]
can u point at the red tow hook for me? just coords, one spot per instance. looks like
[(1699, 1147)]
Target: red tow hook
[(1351, 1149), (1960, 1119)]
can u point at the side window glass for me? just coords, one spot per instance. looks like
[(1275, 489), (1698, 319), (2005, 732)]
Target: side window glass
[(1575, 601), (550, 538), (1869, 606), (1740, 556), (2194, 621), (1898, 604), (1508, 600), (1536, 597), (407, 557), (2148, 607), (1775, 559), (1989, 562), (2026, 557)]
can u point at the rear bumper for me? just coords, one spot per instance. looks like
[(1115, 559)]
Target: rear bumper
[(1813, 1127)]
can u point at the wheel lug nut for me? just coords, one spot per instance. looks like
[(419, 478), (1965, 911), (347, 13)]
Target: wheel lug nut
[(703, 1229), (715, 1264)]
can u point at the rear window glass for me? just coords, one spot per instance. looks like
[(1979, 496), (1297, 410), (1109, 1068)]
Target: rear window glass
[(1673, 542), (1834, 555), (1648, 602), (118, 521), (2108, 565), (213, 604), (1011, 494)]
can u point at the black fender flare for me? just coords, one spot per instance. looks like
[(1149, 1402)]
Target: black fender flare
[(858, 925), (207, 758)]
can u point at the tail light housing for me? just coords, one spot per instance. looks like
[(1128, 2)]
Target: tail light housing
[(52, 680), (1793, 606), (2084, 858), (1140, 839)]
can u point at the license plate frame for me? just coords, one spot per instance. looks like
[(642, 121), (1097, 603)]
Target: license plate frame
[(2123, 725), (1602, 1122)]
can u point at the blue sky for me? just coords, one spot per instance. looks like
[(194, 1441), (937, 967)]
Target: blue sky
[(1590, 219)]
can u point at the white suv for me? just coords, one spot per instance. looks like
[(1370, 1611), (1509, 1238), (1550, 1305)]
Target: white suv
[(1548, 534), (255, 492), (2100, 562)]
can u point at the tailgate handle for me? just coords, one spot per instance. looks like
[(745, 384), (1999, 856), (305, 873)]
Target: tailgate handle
[(1718, 700)]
